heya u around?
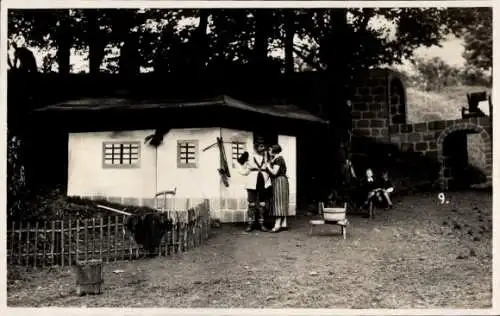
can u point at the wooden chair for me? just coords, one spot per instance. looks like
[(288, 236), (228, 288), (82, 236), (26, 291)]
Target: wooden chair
[(331, 216), (165, 194)]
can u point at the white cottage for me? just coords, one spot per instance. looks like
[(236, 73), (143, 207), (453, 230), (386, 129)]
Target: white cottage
[(110, 156)]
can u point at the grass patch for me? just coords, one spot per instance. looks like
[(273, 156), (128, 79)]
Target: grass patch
[(443, 105)]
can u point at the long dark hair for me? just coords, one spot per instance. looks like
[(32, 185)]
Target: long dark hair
[(243, 158), (276, 149)]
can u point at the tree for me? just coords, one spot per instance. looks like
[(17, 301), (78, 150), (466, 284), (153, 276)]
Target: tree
[(435, 74), (474, 25)]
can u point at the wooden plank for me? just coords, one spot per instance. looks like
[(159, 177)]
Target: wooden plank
[(93, 251), (114, 210), (12, 243), (36, 245), (53, 243), (19, 242), (101, 229), (77, 245), (123, 241), (45, 244), (28, 244), (186, 235), (62, 243), (86, 238), (108, 253), (129, 247), (116, 238), (70, 240), (175, 233)]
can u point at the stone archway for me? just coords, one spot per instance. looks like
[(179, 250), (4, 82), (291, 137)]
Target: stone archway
[(453, 155)]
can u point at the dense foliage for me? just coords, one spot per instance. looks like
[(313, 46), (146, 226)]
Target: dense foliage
[(55, 205)]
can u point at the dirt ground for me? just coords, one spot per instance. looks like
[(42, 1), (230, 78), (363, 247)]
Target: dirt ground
[(421, 254)]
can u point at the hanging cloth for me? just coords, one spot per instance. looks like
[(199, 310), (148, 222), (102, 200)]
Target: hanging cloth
[(224, 167)]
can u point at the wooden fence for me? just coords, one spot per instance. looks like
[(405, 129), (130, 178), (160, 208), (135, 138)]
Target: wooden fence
[(64, 242)]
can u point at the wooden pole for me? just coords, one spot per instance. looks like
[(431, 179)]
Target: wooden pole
[(101, 230), (62, 243), (52, 246), (77, 241), (92, 254), (45, 244), (114, 210), (36, 244), (116, 238), (70, 240), (12, 243), (85, 233), (28, 244), (108, 253)]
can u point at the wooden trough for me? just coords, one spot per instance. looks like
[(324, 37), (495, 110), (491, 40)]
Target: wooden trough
[(89, 278)]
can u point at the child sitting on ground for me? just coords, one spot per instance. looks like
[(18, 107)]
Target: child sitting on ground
[(388, 187), (369, 186)]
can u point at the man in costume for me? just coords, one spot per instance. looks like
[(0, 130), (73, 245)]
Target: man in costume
[(258, 184)]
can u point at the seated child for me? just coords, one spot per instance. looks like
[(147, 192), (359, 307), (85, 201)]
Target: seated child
[(332, 199), (369, 185), (388, 187)]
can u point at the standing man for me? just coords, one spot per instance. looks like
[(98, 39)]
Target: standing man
[(258, 184)]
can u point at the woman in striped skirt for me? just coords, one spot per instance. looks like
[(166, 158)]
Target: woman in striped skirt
[(280, 197)]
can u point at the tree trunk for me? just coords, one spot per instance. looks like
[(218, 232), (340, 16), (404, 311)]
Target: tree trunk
[(200, 42), (64, 41), (129, 63), (95, 41), (289, 35), (337, 61), (261, 38)]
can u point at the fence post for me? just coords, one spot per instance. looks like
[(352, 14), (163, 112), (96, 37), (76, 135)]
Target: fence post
[(93, 251), (108, 253), (116, 238), (53, 243), (101, 229), (62, 243), (77, 244), (36, 244), (85, 233), (20, 243), (45, 244), (27, 260), (12, 243), (124, 246), (70, 240)]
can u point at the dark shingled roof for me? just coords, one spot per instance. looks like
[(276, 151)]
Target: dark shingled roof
[(120, 104)]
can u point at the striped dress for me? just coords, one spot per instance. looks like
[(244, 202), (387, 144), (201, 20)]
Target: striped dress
[(281, 193)]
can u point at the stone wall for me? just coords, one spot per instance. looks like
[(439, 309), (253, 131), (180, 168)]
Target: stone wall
[(379, 113), (369, 107), (429, 139)]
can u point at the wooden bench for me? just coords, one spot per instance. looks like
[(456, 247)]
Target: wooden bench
[(331, 216)]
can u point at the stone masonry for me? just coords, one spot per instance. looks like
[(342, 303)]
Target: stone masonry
[(379, 113)]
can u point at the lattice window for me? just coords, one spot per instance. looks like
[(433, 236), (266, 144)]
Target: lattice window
[(237, 148), (187, 154), (121, 154)]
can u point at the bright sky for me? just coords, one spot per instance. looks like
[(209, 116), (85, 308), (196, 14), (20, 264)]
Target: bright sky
[(451, 50)]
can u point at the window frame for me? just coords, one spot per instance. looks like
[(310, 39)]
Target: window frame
[(234, 160), (180, 162), (130, 143)]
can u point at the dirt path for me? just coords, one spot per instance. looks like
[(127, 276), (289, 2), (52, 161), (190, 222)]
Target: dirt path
[(420, 254)]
